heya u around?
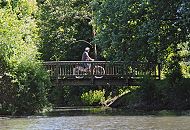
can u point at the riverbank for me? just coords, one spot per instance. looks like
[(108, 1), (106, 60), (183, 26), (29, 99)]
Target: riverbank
[(107, 111), (101, 111), (98, 118)]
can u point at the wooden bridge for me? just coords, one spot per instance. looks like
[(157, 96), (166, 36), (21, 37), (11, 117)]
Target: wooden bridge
[(72, 73)]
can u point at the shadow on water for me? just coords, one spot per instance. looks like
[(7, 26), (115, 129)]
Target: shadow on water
[(101, 111), (98, 118), (106, 111)]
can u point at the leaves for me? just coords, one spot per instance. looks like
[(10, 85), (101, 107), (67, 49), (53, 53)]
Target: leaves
[(23, 89), (64, 23), (140, 30)]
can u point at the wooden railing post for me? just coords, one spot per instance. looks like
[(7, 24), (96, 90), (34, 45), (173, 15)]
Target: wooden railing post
[(92, 75), (125, 72), (57, 74), (159, 71)]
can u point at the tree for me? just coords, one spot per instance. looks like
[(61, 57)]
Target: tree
[(147, 31), (24, 85), (141, 30), (65, 24)]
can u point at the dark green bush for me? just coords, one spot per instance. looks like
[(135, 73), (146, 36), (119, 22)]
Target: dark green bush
[(25, 90)]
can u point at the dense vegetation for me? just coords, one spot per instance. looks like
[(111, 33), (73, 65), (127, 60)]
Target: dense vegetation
[(149, 31), (156, 31), (24, 83), (64, 25)]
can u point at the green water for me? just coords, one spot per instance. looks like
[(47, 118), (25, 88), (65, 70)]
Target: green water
[(99, 119)]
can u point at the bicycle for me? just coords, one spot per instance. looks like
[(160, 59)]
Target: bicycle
[(80, 71)]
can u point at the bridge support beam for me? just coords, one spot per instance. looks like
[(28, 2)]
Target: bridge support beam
[(95, 82)]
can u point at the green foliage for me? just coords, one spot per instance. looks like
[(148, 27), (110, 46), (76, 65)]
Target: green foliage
[(65, 30), (174, 72), (24, 85), (18, 37), (93, 97), (185, 69), (3, 3), (25, 92), (174, 96), (141, 30), (66, 95), (159, 95), (64, 25), (149, 92)]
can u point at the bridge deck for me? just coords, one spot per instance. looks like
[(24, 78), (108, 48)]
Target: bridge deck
[(101, 72)]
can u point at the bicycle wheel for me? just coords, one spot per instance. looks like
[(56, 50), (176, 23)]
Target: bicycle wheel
[(98, 71), (77, 71)]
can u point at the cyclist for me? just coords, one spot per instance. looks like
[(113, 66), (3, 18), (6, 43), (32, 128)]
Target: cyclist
[(86, 57)]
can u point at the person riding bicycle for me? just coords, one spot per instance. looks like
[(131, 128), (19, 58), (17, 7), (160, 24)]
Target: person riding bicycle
[(86, 57)]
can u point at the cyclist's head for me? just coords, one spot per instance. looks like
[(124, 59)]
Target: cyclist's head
[(87, 49)]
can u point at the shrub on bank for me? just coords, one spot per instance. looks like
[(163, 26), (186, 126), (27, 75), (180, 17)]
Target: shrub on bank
[(93, 97), (24, 91), (24, 82), (159, 95)]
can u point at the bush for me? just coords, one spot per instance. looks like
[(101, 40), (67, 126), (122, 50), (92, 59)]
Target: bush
[(24, 85), (93, 97), (66, 95), (24, 91), (185, 69)]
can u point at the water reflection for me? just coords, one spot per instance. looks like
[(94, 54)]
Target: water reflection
[(96, 119)]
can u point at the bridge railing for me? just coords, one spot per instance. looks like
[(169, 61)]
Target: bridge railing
[(99, 69), (141, 69)]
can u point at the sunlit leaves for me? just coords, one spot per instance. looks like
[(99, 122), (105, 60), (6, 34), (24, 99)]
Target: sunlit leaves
[(140, 30), (63, 23), (25, 82)]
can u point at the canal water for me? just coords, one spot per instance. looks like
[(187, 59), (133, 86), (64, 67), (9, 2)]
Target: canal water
[(98, 119)]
